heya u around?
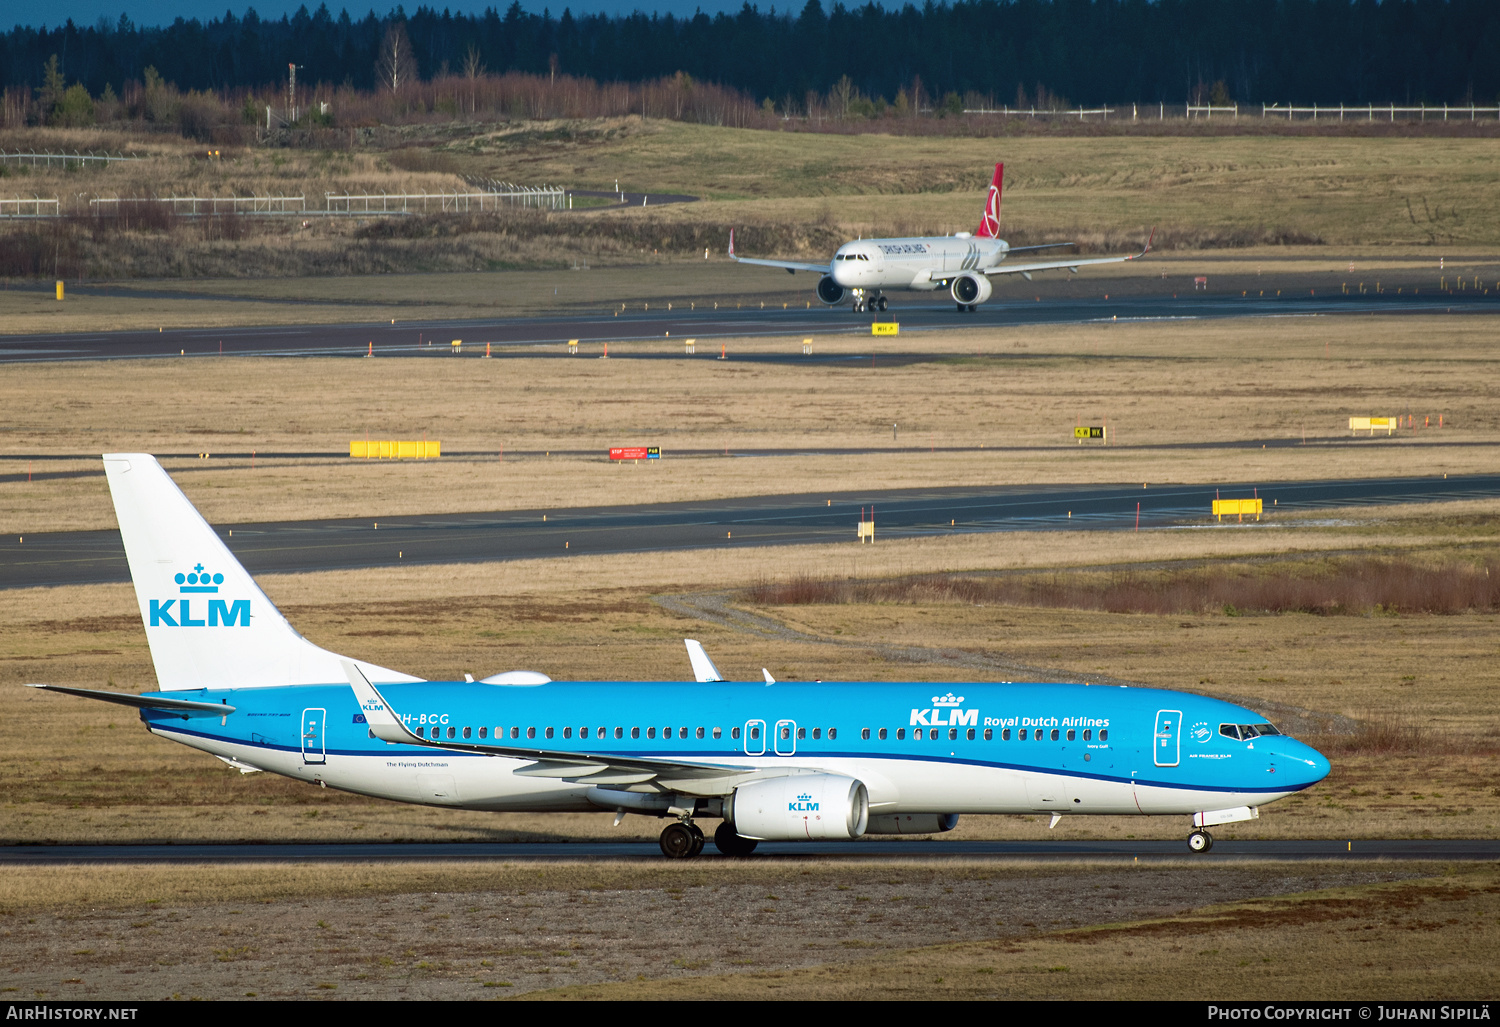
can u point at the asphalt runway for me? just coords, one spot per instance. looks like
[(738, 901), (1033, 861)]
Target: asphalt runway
[(1363, 850), (416, 338), (87, 557)]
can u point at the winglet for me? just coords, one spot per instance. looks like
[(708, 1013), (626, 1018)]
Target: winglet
[(1149, 239), (703, 667), (378, 714), (731, 245), (769, 679)]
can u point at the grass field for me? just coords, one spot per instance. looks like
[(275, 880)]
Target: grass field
[(1012, 397), (792, 194)]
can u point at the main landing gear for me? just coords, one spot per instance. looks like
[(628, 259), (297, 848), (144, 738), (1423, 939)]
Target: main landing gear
[(1200, 841), (966, 308), (684, 840)]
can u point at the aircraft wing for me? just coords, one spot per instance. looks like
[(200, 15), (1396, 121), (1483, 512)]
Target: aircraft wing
[(181, 707), (591, 768), (790, 266), (1072, 265)]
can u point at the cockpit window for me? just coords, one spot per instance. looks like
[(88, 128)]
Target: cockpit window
[(1245, 732)]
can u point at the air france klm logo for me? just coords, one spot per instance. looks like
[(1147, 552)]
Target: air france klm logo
[(945, 712), (803, 804), (220, 612)]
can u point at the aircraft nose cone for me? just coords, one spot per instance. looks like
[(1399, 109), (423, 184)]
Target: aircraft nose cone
[(843, 273), (1302, 765)]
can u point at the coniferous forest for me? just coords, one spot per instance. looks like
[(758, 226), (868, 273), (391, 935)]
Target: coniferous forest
[(1018, 52)]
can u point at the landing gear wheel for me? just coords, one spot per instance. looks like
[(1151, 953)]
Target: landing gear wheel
[(1200, 841), (677, 842), (728, 841), (880, 304), (960, 307), (698, 839), (973, 307)]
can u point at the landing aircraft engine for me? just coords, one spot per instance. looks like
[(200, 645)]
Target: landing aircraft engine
[(803, 807), (971, 289), (829, 291)]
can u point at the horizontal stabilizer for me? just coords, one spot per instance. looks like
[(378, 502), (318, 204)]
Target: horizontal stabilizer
[(184, 707)]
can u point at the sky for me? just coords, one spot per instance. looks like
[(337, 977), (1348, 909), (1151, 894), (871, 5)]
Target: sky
[(164, 12)]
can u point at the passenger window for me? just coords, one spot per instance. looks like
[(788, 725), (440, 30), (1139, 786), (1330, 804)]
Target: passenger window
[(567, 732), (900, 733), (651, 732), (1071, 734), (801, 732), (682, 732), (484, 732), (971, 734), (515, 732), (1054, 734), (1021, 734), (734, 732), (718, 732), (420, 733), (864, 733), (700, 732), (989, 734), (531, 732), (583, 732), (619, 732), (817, 733), (833, 733), (549, 732), (635, 732), (754, 733), (1104, 734), (468, 732), (882, 734), (1087, 734)]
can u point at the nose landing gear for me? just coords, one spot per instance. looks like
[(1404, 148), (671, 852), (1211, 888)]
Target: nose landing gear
[(868, 304), (1200, 841)]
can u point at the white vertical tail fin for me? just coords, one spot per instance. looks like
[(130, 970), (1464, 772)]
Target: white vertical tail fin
[(209, 625)]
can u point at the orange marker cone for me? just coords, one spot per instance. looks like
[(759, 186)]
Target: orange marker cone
[(371, 351)]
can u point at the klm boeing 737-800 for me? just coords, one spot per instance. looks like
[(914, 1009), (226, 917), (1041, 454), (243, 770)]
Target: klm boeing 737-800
[(772, 760), (962, 264)]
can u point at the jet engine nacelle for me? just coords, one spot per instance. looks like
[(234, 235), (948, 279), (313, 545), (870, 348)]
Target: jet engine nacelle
[(804, 807), (971, 288), (829, 291), (912, 823)]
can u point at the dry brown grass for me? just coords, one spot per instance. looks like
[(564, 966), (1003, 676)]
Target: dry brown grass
[(1158, 384), (1435, 938)]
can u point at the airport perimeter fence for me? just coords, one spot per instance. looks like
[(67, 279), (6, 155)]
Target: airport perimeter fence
[(334, 204), (49, 159), (1137, 112)]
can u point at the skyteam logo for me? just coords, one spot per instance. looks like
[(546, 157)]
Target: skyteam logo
[(220, 612), (945, 712), (803, 804)]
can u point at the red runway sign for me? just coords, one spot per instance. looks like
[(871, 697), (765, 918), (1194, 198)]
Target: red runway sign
[(635, 453)]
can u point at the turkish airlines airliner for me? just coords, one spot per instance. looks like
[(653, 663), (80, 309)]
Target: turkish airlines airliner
[(771, 760), (962, 263)]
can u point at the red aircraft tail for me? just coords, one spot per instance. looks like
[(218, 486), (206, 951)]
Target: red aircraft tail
[(989, 224)]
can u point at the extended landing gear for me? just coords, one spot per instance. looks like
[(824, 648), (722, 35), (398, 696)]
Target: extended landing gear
[(966, 308), (1200, 841), (682, 840), (728, 841), (868, 304)]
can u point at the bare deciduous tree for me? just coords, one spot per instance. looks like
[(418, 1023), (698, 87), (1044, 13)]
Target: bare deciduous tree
[(395, 67)]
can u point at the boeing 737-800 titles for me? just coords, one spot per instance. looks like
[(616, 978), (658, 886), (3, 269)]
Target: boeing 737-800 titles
[(772, 760), (961, 263)]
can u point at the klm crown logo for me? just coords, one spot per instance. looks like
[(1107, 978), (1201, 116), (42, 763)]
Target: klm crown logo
[(221, 612), (199, 581), (948, 700)]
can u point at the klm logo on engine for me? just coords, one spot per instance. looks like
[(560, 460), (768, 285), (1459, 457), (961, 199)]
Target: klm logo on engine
[(178, 613), (945, 712), (802, 804)]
